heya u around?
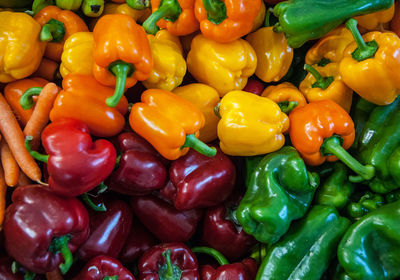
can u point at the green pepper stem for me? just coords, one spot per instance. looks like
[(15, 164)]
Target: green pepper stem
[(121, 70), (332, 145), (114, 277), (101, 188), (211, 252), (60, 244), (169, 271), (34, 154), (322, 82), (138, 4), (99, 208), (216, 110), (363, 50), (169, 10), (26, 99), (199, 146), (52, 31), (287, 106), (216, 10)]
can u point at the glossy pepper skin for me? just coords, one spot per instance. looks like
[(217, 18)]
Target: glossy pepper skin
[(306, 20), (163, 220), (250, 125), (225, 67), (374, 20), (254, 86), (141, 168), (244, 270), (76, 164), (152, 265), (72, 23), (225, 21), (123, 58), (280, 191), (307, 249), (21, 49), (101, 266), (36, 217), (368, 248), (285, 93), (83, 98)]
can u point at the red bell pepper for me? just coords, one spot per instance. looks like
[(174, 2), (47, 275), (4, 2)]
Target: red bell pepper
[(254, 86), (5, 270), (42, 229)]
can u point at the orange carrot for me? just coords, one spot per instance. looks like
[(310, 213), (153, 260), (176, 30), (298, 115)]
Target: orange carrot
[(40, 115), (15, 139), (3, 191), (23, 180), (10, 166)]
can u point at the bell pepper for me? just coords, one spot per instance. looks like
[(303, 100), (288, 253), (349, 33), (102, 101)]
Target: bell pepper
[(48, 70), (108, 231), (177, 16), (104, 267), (250, 124), (163, 220), (225, 67), (6, 271), (364, 203), (260, 18), (21, 49), (322, 130), (226, 21), (280, 191), (172, 261), (367, 66), (205, 98), (83, 98), (198, 181), (77, 56), (75, 163), (169, 123), (141, 169), (311, 19), (395, 22), (42, 229), (254, 86), (286, 95), (374, 20), (57, 26), (368, 249), (169, 66), (92, 8), (72, 5), (325, 83), (307, 249), (122, 58), (393, 196)]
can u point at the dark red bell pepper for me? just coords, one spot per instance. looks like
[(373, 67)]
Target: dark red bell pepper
[(141, 168), (172, 261), (5, 270), (108, 231), (42, 229), (198, 181), (75, 163), (139, 240), (163, 220), (254, 86), (104, 267)]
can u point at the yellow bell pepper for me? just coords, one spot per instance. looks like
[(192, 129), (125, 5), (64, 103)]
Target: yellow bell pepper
[(205, 98), (169, 66), (225, 67), (373, 21), (77, 56), (250, 124), (259, 21), (20, 48)]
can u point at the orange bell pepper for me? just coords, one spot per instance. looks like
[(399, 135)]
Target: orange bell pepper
[(83, 98), (57, 26), (373, 21), (322, 130), (225, 21), (48, 69), (286, 95), (122, 54), (169, 123)]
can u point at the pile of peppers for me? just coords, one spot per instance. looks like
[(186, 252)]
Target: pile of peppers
[(201, 139)]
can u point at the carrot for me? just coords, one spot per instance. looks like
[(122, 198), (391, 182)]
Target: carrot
[(40, 115), (23, 180), (10, 166), (15, 139), (3, 191), (54, 275)]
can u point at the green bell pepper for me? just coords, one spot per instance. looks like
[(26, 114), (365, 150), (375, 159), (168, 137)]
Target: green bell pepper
[(307, 249), (304, 20), (280, 190), (364, 204), (72, 5), (369, 250)]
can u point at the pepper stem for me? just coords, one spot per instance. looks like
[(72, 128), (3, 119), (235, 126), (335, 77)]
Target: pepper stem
[(121, 70), (199, 146), (114, 277), (211, 252), (287, 106), (216, 110), (332, 145), (99, 208), (363, 50), (169, 271), (52, 31), (169, 10), (60, 244), (216, 10), (322, 82), (34, 154), (138, 4), (26, 99)]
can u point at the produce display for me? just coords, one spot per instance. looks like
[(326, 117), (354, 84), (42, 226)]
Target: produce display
[(199, 139)]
